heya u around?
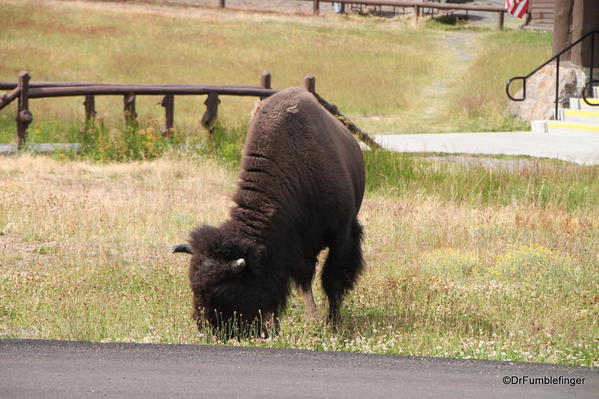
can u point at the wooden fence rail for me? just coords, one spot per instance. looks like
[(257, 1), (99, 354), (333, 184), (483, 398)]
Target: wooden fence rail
[(43, 92), (13, 85)]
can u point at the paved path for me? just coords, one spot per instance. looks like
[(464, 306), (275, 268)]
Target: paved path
[(60, 369), (43, 148), (581, 148)]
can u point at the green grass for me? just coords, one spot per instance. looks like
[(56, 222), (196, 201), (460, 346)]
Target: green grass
[(541, 184), (468, 93), (480, 103)]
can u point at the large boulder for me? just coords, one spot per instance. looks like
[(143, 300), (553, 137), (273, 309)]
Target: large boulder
[(540, 92)]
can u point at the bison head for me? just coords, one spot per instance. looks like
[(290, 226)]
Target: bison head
[(230, 289)]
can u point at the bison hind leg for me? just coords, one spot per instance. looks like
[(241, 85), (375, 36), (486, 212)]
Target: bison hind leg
[(342, 268)]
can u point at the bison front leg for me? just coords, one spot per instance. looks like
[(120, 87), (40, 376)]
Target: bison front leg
[(342, 268), (309, 304), (304, 281), (269, 324)]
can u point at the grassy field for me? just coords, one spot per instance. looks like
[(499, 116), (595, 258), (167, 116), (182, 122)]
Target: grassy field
[(463, 260), (454, 266), (384, 73)]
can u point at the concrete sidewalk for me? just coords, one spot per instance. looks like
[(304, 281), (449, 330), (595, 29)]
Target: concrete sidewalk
[(579, 147)]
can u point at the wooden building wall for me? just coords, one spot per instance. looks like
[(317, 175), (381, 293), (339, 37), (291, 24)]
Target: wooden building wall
[(542, 14)]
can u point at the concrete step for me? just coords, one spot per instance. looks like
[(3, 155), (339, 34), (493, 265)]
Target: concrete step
[(562, 127), (579, 103), (584, 116)]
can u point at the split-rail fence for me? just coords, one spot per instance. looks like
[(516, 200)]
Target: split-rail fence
[(23, 90)]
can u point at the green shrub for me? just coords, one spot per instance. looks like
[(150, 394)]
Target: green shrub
[(536, 264), (130, 143)]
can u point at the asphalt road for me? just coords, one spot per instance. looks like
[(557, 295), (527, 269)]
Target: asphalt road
[(60, 369)]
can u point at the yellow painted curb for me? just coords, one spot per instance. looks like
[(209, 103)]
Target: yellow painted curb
[(591, 101), (576, 126), (582, 112)]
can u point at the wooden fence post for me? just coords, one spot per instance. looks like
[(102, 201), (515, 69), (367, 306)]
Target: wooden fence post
[(265, 81), (221, 3), (310, 83), (129, 107), (417, 13), (209, 117), (500, 20), (316, 7), (24, 117), (90, 108), (168, 102)]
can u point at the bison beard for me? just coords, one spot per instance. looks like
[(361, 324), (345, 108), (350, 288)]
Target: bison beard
[(300, 190)]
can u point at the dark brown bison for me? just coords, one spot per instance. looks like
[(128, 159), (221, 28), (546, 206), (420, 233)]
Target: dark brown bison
[(300, 190)]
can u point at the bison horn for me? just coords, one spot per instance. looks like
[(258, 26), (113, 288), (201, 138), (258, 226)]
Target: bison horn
[(236, 266), (185, 248)]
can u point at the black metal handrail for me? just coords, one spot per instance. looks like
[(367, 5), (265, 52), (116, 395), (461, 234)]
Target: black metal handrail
[(583, 92), (555, 58)]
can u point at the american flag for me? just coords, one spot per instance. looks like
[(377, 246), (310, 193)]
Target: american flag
[(518, 8)]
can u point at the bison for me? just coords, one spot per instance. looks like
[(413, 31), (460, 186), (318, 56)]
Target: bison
[(299, 192)]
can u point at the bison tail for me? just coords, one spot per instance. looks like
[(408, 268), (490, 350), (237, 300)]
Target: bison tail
[(357, 235)]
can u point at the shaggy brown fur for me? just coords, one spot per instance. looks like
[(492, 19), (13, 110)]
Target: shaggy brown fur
[(300, 190)]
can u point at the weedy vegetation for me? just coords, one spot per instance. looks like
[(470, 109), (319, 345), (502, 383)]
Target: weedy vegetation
[(85, 256), (492, 260)]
